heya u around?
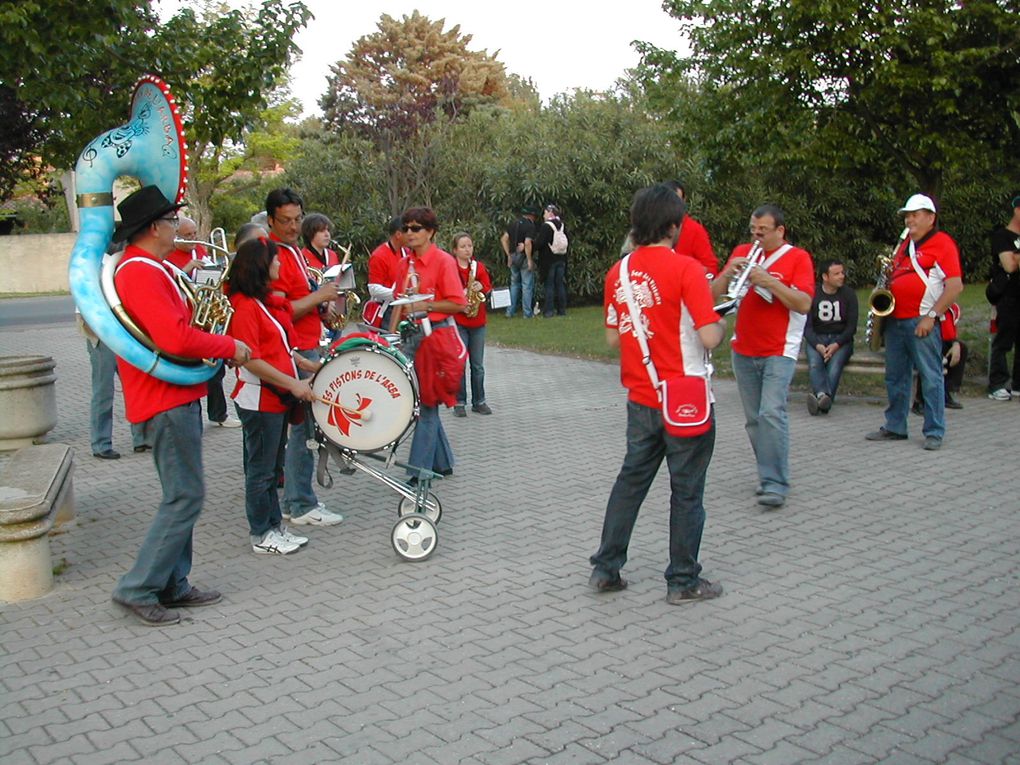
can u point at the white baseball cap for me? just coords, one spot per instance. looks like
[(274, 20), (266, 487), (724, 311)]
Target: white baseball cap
[(918, 202)]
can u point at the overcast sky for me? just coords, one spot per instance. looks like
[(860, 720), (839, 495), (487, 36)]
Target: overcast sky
[(565, 45)]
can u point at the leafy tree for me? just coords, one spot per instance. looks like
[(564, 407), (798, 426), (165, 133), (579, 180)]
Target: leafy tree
[(914, 83), (837, 112), (402, 87), (70, 65), (225, 66), (63, 64), (586, 152)]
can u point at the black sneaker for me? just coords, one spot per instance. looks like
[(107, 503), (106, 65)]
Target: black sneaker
[(703, 590), (600, 583), (824, 403)]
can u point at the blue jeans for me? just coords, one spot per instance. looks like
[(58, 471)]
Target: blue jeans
[(299, 461), (164, 560), (521, 279), (687, 460), (556, 288), (763, 382), (904, 352), (825, 374), (430, 448), (263, 455), (474, 340), (103, 362)]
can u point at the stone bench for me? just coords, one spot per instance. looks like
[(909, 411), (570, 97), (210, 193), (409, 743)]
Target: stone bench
[(36, 493), (861, 363)]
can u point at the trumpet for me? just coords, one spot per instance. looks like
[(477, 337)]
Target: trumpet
[(881, 302), (738, 287)]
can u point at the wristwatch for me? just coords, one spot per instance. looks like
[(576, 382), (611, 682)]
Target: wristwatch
[(932, 314)]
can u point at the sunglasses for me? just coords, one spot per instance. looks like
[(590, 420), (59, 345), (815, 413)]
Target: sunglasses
[(413, 229)]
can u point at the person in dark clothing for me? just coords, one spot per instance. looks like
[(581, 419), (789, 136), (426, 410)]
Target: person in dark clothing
[(829, 335), (552, 258), (1004, 293), (517, 244)]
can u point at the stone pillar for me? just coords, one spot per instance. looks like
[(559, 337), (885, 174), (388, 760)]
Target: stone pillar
[(28, 400), (36, 491)]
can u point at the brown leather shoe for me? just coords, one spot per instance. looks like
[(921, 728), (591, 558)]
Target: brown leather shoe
[(150, 614), (194, 599), (600, 583)]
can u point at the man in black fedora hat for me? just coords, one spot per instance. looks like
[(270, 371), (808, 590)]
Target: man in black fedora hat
[(517, 244), (170, 415)]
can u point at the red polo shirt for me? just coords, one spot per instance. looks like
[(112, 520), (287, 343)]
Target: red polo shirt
[(293, 284), (694, 241), (766, 328), (482, 276), (938, 257), (437, 275), (383, 264), (675, 301), (152, 299)]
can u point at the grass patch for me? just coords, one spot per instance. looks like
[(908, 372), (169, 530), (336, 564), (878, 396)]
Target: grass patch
[(60, 567), (580, 334), (14, 295)]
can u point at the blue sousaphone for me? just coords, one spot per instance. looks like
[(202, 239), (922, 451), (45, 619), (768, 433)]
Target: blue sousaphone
[(151, 148)]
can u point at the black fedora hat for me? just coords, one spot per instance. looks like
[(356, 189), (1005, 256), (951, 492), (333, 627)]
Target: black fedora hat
[(140, 209)]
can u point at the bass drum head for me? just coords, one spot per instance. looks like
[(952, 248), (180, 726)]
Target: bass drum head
[(373, 399)]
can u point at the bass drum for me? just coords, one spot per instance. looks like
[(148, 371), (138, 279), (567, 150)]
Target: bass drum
[(366, 397)]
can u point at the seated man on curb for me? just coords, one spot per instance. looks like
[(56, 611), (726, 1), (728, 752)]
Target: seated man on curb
[(829, 335)]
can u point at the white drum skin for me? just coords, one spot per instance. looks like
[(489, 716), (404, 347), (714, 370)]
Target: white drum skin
[(378, 396)]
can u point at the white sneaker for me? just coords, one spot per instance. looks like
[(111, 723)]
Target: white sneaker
[(274, 543), (320, 516), (300, 541), (230, 422), (1000, 395)]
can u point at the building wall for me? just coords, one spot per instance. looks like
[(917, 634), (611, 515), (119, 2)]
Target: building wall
[(34, 263)]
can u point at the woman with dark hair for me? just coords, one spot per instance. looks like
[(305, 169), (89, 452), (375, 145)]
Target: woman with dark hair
[(266, 387), (317, 231), (435, 347)]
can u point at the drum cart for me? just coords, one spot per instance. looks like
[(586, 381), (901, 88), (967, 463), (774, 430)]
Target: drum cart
[(366, 404)]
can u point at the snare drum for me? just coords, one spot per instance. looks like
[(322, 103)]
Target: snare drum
[(371, 394)]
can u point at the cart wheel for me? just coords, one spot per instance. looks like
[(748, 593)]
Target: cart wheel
[(433, 510), (414, 537)]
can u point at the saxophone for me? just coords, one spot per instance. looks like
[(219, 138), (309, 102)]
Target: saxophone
[(474, 293), (881, 301)]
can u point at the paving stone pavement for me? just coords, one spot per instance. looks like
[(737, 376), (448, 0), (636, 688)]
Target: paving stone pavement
[(874, 619)]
